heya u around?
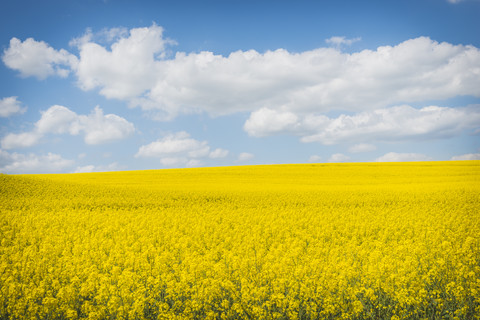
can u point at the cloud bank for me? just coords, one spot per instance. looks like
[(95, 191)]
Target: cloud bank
[(388, 124), (135, 68)]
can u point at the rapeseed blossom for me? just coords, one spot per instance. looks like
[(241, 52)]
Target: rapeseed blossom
[(321, 241)]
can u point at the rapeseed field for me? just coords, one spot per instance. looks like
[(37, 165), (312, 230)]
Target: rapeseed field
[(310, 241)]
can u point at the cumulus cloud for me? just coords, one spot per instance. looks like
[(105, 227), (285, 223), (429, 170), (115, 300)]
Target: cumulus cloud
[(179, 149), (362, 147), (218, 153), (20, 140), (388, 124), (468, 156), (96, 127), (38, 59), (10, 106), (100, 128), (136, 69), (245, 156), (128, 69), (266, 121), (177, 143), (402, 157), (338, 157), (15, 163), (314, 81), (59, 120)]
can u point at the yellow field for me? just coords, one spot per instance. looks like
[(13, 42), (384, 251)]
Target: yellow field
[(323, 241)]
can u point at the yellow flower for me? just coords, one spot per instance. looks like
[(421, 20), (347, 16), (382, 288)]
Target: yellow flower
[(266, 242)]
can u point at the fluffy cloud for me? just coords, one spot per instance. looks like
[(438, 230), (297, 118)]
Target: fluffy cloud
[(266, 121), (402, 157), (10, 106), (136, 68), (128, 69), (179, 149), (96, 127), (59, 120), (38, 59), (389, 124), (338, 157), (218, 153), (245, 156), (172, 144), (20, 140), (468, 156), (362, 147), (100, 128), (30, 163), (314, 81)]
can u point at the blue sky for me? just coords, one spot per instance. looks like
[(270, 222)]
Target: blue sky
[(128, 85)]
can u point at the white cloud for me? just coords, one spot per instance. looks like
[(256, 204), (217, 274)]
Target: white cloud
[(338, 157), (218, 153), (313, 81), (10, 106), (362, 147), (96, 127), (100, 128), (106, 35), (136, 68), (339, 41), (128, 69), (174, 144), (14, 163), (245, 156), (179, 149), (38, 59), (180, 162), (21, 140), (468, 156), (266, 121), (194, 163), (59, 120), (398, 123), (389, 124), (402, 157), (315, 158), (173, 161)]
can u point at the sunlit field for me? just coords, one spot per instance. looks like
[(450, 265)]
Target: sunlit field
[(309, 241)]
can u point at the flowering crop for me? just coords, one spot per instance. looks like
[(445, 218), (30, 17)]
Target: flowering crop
[(319, 241)]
